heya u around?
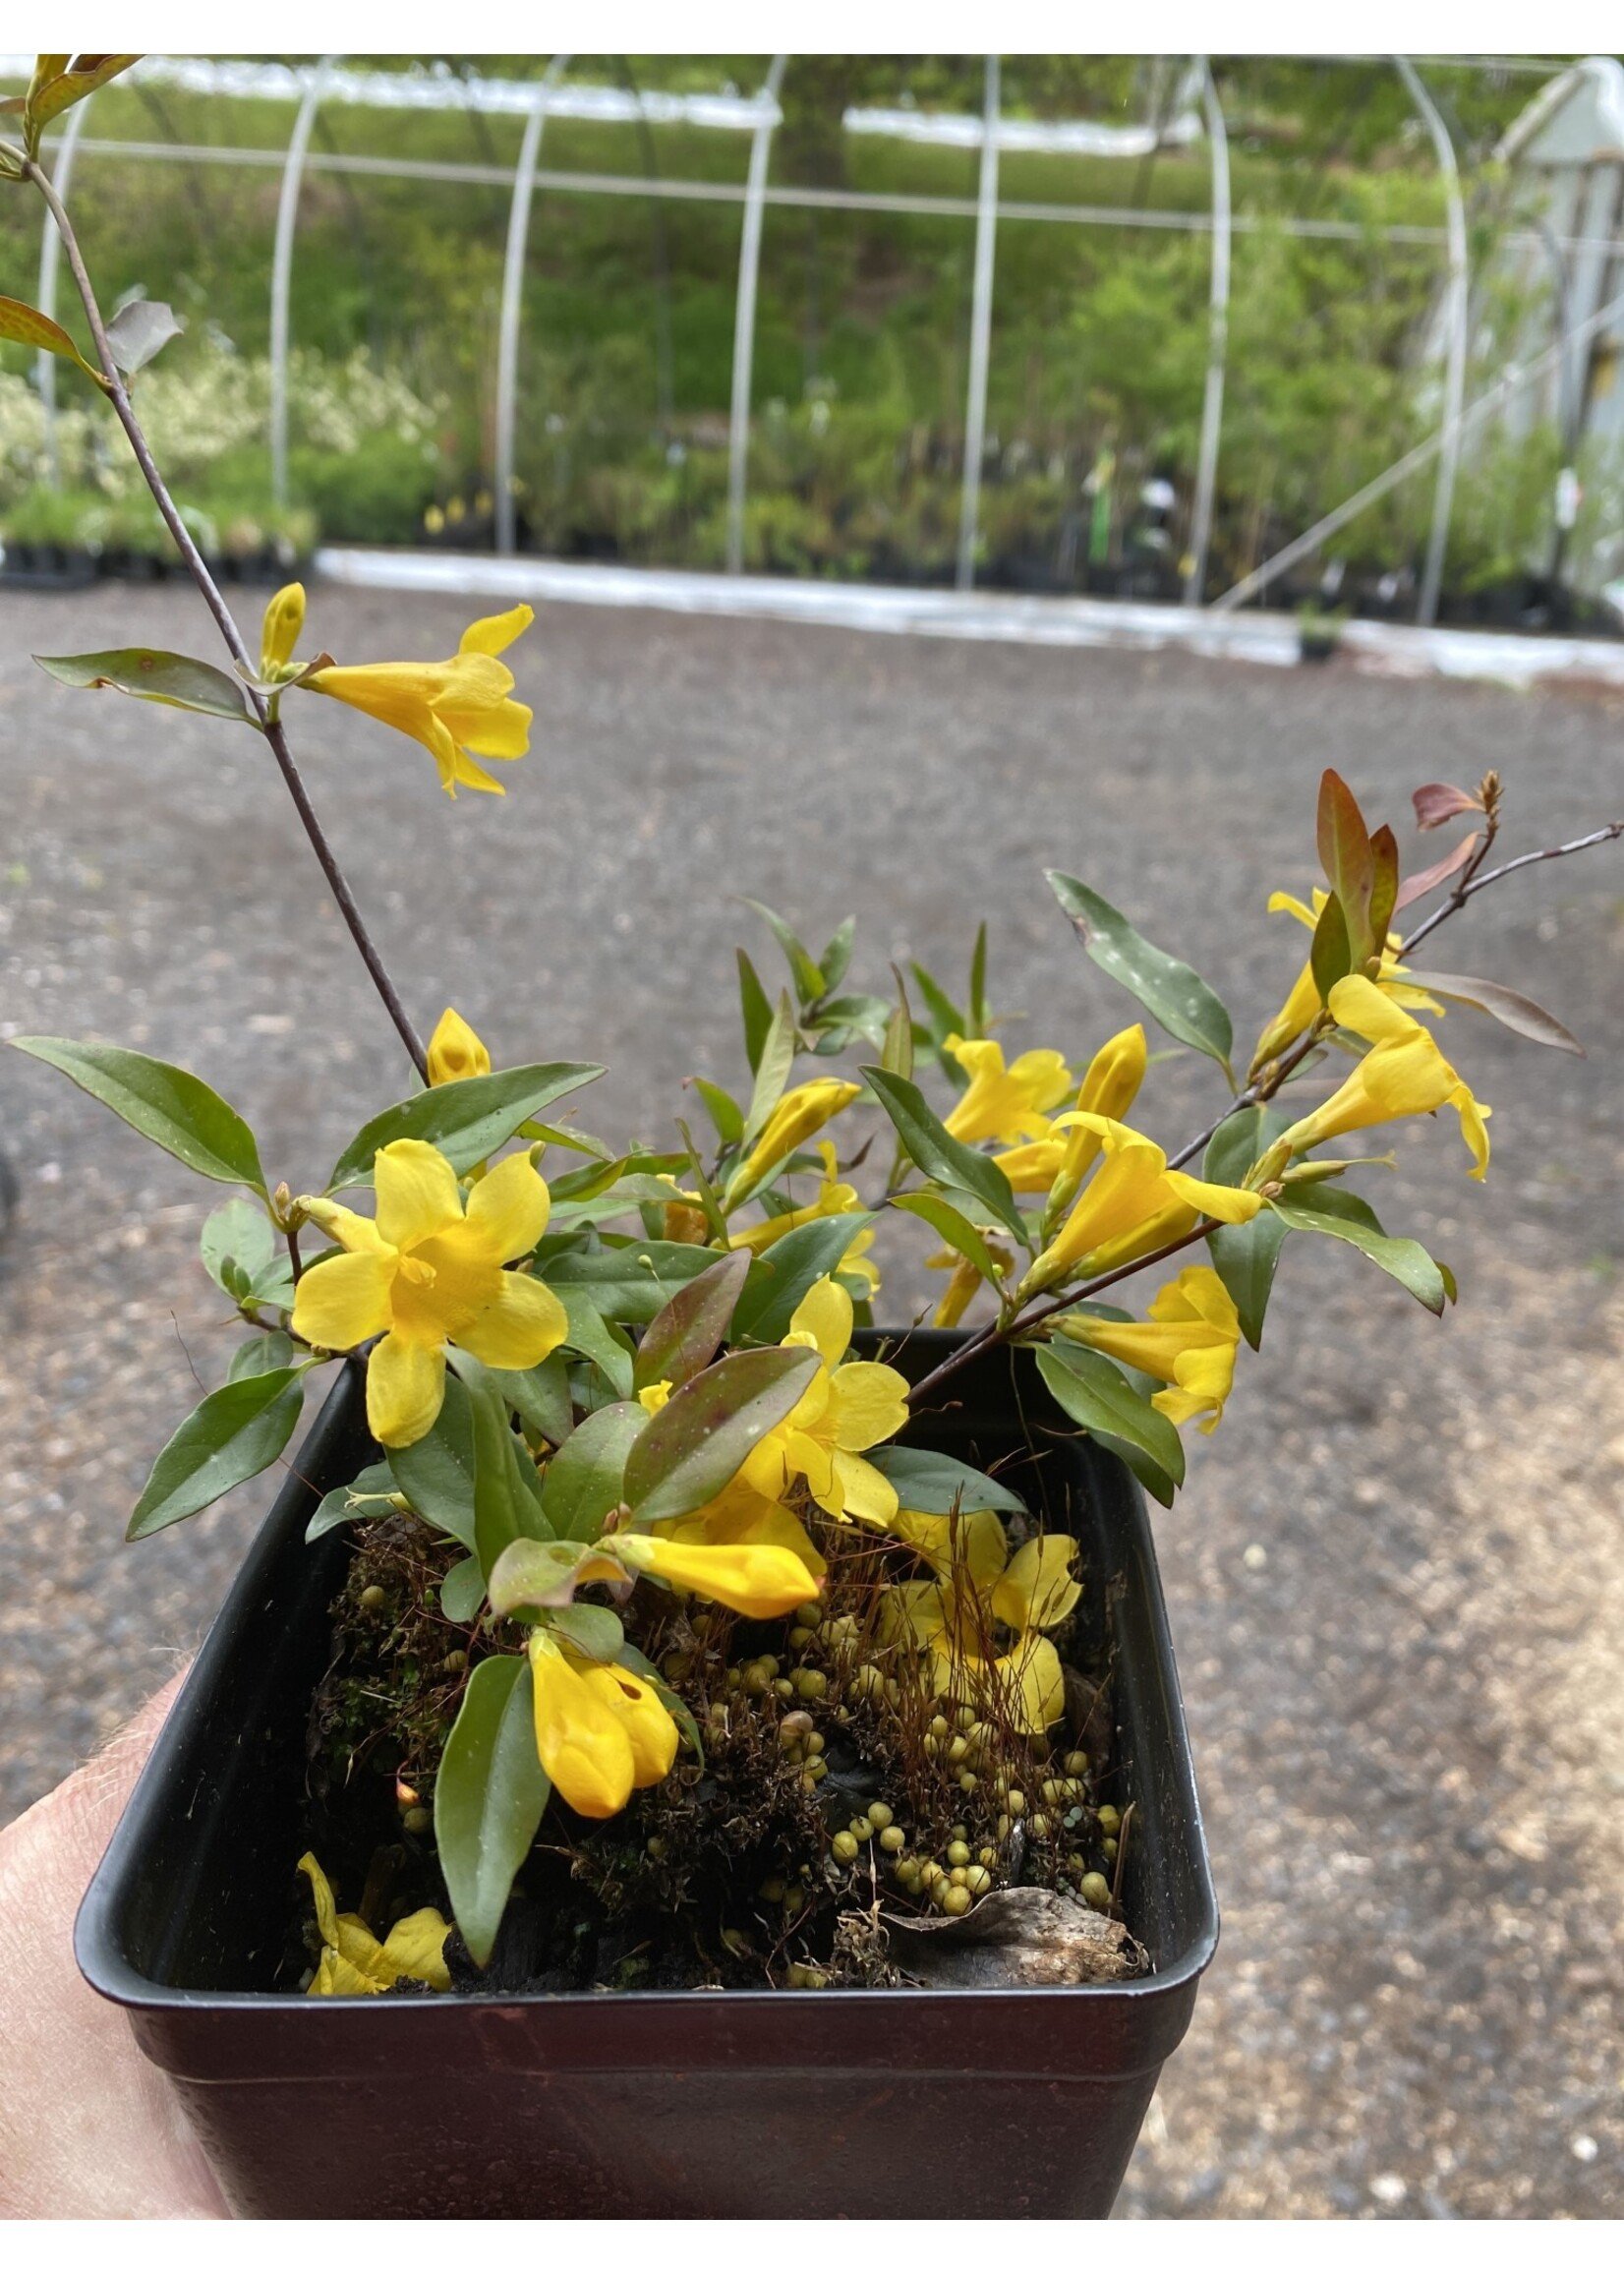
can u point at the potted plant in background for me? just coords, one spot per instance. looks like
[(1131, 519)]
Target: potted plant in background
[(663, 1708)]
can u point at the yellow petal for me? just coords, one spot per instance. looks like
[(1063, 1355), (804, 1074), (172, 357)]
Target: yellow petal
[(648, 1727), (321, 1888), (405, 1388), (969, 1546), (861, 1492), (417, 1192), (284, 621), (493, 633), (825, 1314), (344, 1299), (523, 1325), (1227, 1203), (868, 1403), (1033, 1674), (356, 1233), (1038, 1589), (415, 1948), (510, 1208), (336, 1977), (455, 1051), (758, 1582), (580, 1739), (911, 1610)]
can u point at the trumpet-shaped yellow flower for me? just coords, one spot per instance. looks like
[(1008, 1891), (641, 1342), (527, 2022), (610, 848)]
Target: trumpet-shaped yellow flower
[(835, 1199), (1404, 1073), (757, 1581), (1302, 1006), (846, 1411), (1133, 1205), (1006, 1103), (741, 1517), (460, 711), (455, 1051), (798, 1114), (1058, 1161), (980, 1595), (424, 1272), (601, 1731), (279, 635), (354, 1963), (1189, 1342)]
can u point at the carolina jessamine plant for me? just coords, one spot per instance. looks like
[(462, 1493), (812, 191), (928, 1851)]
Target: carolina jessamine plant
[(633, 1380)]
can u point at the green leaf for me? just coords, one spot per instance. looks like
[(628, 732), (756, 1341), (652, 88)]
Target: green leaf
[(711, 1208), (1176, 997), (539, 1397), (836, 960), (1245, 1255), (845, 1019), (1513, 1011), (507, 1505), (437, 1473), (1345, 1216), (778, 1056), (467, 1120), (490, 1795), (1345, 857), (156, 677), (164, 1103), (809, 980), (942, 1157), (31, 328), (346, 1502), (791, 1266), (532, 1576), (261, 1353), (593, 1629), (958, 1231), (725, 1112), (235, 1433), (462, 1592), (757, 1010), (1330, 954), (142, 330), (584, 1479), (978, 984), (683, 1338), (935, 1485), (700, 1439), (629, 1281), (1099, 1399), (946, 1018), (51, 96), (593, 1339), (236, 1244), (1384, 884)]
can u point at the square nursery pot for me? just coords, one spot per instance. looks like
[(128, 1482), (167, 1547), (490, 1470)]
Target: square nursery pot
[(726, 2104)]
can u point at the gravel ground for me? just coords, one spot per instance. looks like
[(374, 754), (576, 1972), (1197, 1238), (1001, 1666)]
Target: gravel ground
[(1395, 1577)]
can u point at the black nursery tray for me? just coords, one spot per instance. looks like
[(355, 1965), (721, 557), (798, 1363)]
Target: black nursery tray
[(728, 2103)]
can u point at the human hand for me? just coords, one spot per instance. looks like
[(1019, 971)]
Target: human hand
[(88, 2127)]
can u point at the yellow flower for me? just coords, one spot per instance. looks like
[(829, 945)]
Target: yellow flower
[(1133, 1205), (421, 1273), (284, 621), (980, 1588), (1005, 1103), (739, 1517), (459, 710), (1404, 1073), (967, 1280), (834, 1200), (847, 1410), (799, 1114), (601, 1731), (1302, 1006), (455, 1051), (1057, 1163), (354, 1963), (1189, 1343), (756, 1581)]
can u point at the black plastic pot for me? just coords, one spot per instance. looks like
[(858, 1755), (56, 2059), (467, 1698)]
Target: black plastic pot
[(734, 2104)]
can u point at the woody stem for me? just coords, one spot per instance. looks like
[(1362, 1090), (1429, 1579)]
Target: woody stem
[(197, 569)]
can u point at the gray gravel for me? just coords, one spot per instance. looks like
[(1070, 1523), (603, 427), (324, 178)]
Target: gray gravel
[(1395, 1579)]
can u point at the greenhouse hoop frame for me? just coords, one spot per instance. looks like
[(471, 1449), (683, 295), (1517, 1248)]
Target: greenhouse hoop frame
[(1196, 110)]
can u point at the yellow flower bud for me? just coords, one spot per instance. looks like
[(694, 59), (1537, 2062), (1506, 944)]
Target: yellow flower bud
[(284, 621), (455, 1051)]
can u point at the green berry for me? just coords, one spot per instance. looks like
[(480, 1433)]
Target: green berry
[(955, 1901), (843, 1848), (1095, 1888), (893, 1840)]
